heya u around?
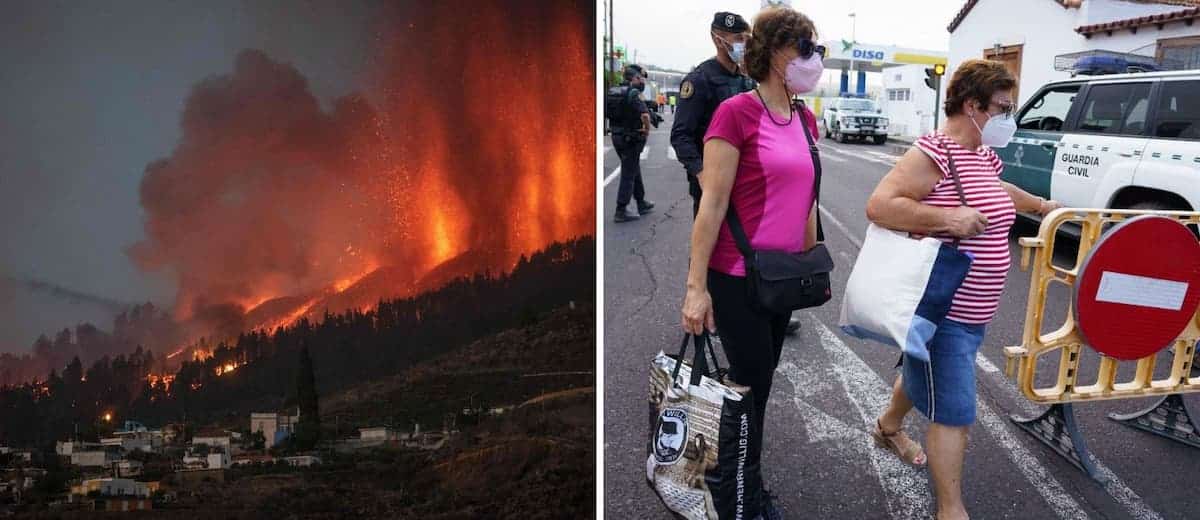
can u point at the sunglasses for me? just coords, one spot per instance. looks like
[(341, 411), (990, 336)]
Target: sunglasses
[(808, 47)]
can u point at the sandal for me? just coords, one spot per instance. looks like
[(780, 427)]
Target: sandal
[(898, 443)]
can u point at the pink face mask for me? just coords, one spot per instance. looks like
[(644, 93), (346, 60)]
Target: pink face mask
[(802, 75)]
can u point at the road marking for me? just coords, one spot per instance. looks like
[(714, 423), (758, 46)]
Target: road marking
[(1115, 488), (906, 490), (866, 388), (853, 237), (645, 153), (984, 364), (616, 171), (832, 157), (671, 153)]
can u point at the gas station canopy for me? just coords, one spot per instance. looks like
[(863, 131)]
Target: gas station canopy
[(863, 58), (874, 58)]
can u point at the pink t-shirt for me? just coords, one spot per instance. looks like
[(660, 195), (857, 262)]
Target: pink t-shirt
[(773, 190)]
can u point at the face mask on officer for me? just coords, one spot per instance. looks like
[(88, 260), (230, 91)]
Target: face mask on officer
[(999, 129), (735, 50)]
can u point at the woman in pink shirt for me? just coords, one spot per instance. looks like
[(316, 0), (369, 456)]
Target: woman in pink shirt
[(757, 162)]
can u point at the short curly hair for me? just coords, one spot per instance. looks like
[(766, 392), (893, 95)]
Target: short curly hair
[(977, 81), (775, 28)]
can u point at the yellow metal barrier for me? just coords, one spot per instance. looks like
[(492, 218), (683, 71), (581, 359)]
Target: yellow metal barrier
[(1022, 360)]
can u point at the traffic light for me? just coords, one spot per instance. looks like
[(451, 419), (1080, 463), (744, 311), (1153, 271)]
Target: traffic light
[(933, 76)]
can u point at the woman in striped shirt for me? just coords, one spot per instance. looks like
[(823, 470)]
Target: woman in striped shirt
[(919, 196)]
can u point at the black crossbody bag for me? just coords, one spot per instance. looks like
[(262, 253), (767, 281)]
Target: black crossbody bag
[(781, 282)]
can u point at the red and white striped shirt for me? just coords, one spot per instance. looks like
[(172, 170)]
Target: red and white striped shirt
[(978, 299)]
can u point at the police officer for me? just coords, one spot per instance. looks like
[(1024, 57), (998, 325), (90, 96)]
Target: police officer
[(630, 126), (713, 81), (710, 83)]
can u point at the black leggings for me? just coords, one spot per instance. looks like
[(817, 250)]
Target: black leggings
[(752, 339)]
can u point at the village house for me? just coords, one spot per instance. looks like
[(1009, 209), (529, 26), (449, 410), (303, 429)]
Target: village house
[(274, 426), (67, 448), (378, 433), (1037, 39), (112, 487), (213, 438), (302, 461), (95, 458)]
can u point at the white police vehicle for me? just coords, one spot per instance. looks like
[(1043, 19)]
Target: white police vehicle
[(1121, 141), (855, 117)]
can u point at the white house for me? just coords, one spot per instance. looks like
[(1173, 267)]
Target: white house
[(128, 443), (1028, 34), (95, 458), (66, 448), (302, 460), (129, 468), (112, 487), (275, 427), (907, 101), (378, 433), (218, 460), (212, 439)]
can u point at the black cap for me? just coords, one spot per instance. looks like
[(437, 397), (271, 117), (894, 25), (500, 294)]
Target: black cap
[(633, 70), (730, 23)]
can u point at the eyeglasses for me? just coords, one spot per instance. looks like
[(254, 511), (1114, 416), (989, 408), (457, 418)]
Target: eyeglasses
[(808, 47), (1005, 108)]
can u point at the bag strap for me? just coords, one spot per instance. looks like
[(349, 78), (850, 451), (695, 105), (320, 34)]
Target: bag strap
[(962, 196), (735, 224), (703, 345), (816, 160)]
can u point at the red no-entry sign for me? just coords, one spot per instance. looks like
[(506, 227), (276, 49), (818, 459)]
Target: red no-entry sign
[(1138, 287)]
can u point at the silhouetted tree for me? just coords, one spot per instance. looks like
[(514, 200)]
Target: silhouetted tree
[(309, 430)]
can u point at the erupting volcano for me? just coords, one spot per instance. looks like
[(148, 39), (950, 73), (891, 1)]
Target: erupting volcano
[(459, 157)]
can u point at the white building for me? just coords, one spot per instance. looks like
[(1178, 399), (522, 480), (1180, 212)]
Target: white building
[(213, 439), (1028, 34), (128, 443), (907, 102), (378, 433), (275, 427), (218, 460), (95, 458), (112, 487), (302, 460), (129, 468), (66, 448)]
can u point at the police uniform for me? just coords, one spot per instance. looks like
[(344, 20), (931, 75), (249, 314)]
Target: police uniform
[(702, 90), (629, 141)]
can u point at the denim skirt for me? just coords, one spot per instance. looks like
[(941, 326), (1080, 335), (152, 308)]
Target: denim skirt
[(944, 388)]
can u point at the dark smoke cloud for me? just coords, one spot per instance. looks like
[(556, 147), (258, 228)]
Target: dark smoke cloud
[(480, 143), (262, 195)]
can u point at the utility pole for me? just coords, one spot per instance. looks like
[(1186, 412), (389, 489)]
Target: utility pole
[(611, 39)]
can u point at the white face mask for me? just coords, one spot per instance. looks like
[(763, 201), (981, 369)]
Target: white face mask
[(998, 131), (736, 50)]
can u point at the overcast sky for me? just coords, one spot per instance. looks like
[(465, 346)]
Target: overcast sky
[(674, 33), (92, 92)]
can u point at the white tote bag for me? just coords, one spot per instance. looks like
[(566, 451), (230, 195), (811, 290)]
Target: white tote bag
[(901, 289)]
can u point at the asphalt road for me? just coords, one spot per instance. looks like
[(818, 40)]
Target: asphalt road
[(829, 387)]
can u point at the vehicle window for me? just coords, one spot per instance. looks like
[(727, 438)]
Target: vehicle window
[(1049, 110), (1179, 110), (1115, 109), (857, 104)]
